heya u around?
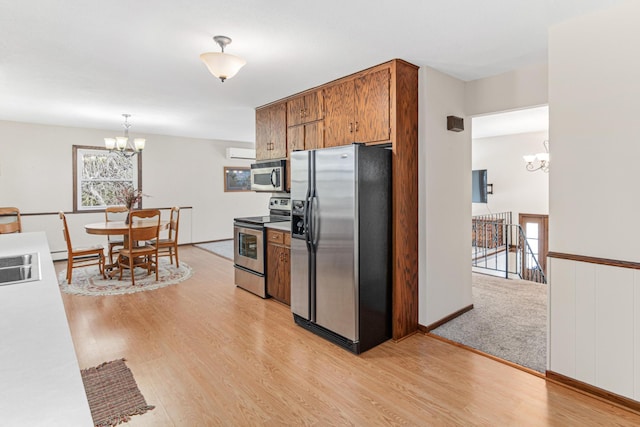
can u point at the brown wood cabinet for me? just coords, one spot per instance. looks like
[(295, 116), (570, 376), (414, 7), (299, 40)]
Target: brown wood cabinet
[(304, 108), (278, 265), (358, 110), (378, 105), (271, 132), (305, 137)]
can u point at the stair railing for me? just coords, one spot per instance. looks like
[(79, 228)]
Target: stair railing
[(500, 247)]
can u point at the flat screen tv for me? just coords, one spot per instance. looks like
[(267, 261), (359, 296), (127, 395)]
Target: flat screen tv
[(479, 186)]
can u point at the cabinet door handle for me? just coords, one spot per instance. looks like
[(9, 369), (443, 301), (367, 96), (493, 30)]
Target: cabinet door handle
[(356, 126), (350, 127)]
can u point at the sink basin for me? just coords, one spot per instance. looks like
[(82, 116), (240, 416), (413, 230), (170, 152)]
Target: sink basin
[(12, 261), (19, 269)]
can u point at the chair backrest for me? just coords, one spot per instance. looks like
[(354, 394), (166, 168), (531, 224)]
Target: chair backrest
[(174, 222), (115, 213), (65, 232), (14, 226), (150, 217)]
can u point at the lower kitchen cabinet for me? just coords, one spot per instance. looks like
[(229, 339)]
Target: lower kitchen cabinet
[(278, 265)]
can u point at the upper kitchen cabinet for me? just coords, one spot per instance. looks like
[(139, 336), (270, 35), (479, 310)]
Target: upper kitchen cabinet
[(305, 137), (271, 132), (304, 108), (358, 110)]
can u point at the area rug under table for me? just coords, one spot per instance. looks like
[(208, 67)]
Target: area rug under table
[(88, 281), (112, 393)]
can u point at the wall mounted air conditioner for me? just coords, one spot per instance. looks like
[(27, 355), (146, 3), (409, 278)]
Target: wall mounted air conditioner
[(241, 153)]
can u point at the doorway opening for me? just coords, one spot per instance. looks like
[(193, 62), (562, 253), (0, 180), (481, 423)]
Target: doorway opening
[(509, 316)]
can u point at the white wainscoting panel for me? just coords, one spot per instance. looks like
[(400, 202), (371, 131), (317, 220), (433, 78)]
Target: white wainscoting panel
[(614, 329), (562, 317), (585, 322), (594, 325)]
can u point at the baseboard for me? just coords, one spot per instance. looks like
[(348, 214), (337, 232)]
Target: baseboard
[(431, 327), (593, 391)]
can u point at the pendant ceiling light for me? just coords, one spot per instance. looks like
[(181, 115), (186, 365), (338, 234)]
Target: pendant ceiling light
[(121, 144), (220, 64)]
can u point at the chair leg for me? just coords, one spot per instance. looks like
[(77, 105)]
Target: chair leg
[(121, 264), (102, 266), (177, 263), (133, 277), (156, 264), (69, 269)]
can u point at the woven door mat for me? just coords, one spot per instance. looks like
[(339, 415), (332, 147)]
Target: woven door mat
[(113, 393)]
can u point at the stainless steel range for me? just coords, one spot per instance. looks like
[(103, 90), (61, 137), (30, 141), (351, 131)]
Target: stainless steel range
[(249, 244)]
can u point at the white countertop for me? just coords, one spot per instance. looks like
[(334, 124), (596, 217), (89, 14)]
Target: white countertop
[(40, 382), (284, 225)]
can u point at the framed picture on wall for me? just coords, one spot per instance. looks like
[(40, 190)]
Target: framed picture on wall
[(237, 178)]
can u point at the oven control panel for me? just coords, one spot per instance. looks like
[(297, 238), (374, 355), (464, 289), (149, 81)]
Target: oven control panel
[(280, 203)]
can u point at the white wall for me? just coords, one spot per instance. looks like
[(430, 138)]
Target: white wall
[(594, 103), (513, 90), (444, 199), (36, 176), (515, 189)]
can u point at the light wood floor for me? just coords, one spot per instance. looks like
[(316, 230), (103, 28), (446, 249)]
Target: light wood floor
[(206, 353)]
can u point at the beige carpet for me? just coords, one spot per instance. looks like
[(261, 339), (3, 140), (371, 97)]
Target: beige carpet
[(509, 320)]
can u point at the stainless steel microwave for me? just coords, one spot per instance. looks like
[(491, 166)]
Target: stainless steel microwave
[(269, 176)]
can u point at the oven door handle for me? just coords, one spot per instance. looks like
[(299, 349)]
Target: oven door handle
[(273, 177)]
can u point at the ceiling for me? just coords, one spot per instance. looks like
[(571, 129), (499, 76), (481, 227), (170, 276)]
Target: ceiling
[(84, 63), (508, 123)]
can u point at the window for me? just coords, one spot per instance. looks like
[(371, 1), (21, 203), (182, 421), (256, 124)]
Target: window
[(99, 176), (237, 178)]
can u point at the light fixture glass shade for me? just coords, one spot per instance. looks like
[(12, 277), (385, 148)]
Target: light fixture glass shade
[(530, 158), (121, 142), (543, 157), (222, 65), (139, 143), (110, 143)]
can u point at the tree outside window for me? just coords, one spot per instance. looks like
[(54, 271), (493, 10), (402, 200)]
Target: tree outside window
[(100, 176)]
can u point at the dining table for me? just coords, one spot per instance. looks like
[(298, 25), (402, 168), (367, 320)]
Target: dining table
[(121, 228)]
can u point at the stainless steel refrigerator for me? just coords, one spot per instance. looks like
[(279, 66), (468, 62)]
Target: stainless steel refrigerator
[(341, 244)]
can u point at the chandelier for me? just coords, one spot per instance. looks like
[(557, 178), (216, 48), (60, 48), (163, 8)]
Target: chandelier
[(540, 161), (122, 145), (220, 64)]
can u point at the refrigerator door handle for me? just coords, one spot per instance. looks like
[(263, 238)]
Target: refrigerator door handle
[(315, 223), (306, 223)]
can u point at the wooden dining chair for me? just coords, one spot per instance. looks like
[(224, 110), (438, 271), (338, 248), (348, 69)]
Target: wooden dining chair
[(14, 226), (115, 213), (169, 246), (138, 252), (81, 257)]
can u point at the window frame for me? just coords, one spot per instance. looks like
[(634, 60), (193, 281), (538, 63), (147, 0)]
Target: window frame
[(137, 165), (227, 187)]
